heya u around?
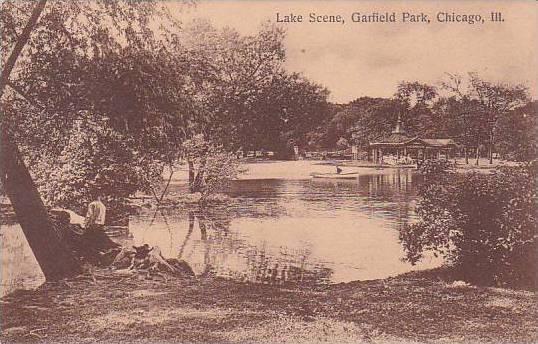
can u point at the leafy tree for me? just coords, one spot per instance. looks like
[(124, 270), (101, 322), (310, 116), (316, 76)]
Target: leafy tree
[(367, 119), (460, 119), (93, 62), (371, 119), (303, 105), (470, 110), (342, 143), (488, 101), (52, 255), (485, 225), (324, 133), (232, 75), (517, 133), (60, 33), (248, 100), (417, 100)]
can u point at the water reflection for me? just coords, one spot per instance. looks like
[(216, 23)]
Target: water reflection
[(204, 238), (294, 231), (274, 231)]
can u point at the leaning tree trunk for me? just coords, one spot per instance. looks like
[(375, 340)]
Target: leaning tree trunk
[(55, 260)]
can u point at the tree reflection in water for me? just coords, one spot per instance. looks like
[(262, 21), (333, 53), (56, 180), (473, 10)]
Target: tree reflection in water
[(300, 231), (228, 255)]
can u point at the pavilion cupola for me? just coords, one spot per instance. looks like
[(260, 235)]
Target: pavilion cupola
[(399, 126)]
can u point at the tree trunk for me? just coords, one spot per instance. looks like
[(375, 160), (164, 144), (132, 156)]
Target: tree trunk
[(198, 180), (466, 156), (21, 42), (477, 154), (490, 149), (54, 258), (491, 142), (191, 176), (163, 193)]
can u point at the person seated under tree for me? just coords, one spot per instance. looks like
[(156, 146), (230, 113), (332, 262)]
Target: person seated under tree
[(95, 217), (97, 242)]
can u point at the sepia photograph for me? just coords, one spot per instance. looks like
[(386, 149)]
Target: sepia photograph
[(268, 171)]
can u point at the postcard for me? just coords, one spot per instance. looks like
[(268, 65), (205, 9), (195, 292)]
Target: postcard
[(268, 171)]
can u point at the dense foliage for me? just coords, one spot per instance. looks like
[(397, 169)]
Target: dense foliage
[(517, 133), (484, 224), (95, 161), (210, 166)]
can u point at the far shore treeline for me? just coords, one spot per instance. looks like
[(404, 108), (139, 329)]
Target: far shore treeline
[(102, 99)]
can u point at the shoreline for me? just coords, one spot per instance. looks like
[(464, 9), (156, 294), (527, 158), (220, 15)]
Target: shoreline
[(302, 169)]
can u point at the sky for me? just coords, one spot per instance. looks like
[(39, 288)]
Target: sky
[(370, 59)]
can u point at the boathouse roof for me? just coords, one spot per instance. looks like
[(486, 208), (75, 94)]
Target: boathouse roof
[(399, 138)]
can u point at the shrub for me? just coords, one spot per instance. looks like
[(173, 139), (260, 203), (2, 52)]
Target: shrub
[(485, 225), (210, 166)]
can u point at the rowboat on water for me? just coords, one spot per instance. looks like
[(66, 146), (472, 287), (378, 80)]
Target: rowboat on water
[(349, 175)]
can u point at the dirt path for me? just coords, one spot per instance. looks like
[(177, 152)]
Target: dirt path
[(411, 308)]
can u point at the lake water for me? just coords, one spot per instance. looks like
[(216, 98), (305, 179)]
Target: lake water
[(277, 231), (19, 268)]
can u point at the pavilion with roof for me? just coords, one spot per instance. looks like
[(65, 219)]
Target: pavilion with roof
[(403, 148)]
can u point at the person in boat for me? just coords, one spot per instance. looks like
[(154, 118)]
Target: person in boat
[(338, 170)]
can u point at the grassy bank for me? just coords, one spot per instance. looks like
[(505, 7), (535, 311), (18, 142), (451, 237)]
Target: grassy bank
[(416, 307)]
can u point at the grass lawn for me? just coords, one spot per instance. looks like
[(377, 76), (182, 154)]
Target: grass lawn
[(416, 307)]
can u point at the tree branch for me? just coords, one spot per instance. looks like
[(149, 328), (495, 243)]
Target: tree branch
[(21, 93)]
